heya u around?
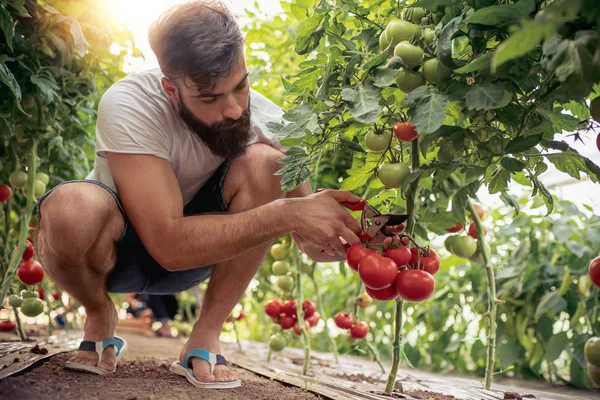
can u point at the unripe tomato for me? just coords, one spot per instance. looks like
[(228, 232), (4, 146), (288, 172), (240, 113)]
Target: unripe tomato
[(428, 35), (278, 251), (359, 330), (38, 189), (591, 351), (408, 80), (405, 132), (285, 282), (280, 268), (464, 246), (397, 31), (436, 72), (378, 142), (14, 300), (383, 41), (5, 193), (32, 307), (18, 179), (364, 300), (411, 55), (29, 293), (42, 177), (277, 342), (393, 175)]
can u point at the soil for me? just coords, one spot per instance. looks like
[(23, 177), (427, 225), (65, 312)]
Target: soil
[(138, 377)]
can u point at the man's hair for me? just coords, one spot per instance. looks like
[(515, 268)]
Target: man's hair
[(200, 40)]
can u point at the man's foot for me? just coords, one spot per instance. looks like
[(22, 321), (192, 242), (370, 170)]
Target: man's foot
[(164, 330), (99, 325), (201, 367)]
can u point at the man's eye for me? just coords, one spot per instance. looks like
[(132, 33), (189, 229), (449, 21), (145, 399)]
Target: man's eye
[(211, 101)]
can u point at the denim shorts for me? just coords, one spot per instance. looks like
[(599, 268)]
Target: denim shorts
[(135, 270)]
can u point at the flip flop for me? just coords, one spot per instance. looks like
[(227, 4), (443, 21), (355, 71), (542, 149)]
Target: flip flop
[(120, 345), (185, 369)]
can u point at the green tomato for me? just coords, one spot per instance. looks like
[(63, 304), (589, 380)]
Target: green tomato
[(32, 307), (43, 177), (477, 258), (14, 300), (397, 30), (285, 282), (411, 55), (591, 351), (277, 342), (393, 175), (275, 328), (278, 251), (595, 109), (464, 246), (594, 373), (436, 72), (414, 14), (449, 242), (378, 142), (29, 293), (428, 35), (18, 179), (38, 189), (408, 80), (280, 268), (383, 41), (306, 268)]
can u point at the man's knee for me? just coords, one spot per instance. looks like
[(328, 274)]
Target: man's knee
[(78, 211), (255, 172)]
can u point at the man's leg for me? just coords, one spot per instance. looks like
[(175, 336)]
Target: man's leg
[(249, 183), (78, 228)]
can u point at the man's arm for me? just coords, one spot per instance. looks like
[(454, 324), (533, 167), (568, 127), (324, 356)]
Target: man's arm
[(150, 194)]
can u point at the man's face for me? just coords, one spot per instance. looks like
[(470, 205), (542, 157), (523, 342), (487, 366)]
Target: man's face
[(219, 116)]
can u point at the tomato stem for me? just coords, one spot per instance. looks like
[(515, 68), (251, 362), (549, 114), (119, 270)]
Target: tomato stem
[(237, 336), (321, 308), (22, 243), (355, 308), (411, 195), (22, 335), (375, 355), (299, 311), (269, 356)]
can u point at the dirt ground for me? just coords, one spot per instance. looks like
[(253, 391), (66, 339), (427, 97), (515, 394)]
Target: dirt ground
[(138, 377)]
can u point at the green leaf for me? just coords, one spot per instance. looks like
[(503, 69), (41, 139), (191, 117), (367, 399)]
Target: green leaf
[(485, 96), (499, 182), (47, 84), (352, 145), (7, 26), (546, 195), (511, 202), (351, 68), (420, 93), (556, 345), (9, 80), (568, 162), (306, 44), (384, 76), (428, 114), (363, 103), (79, 40), (435, 4), (502, 15), (355, 181), (512, 164), (444, 42), (460, 198), (591, 169), (561, 122), (551, 301), (480, 63), (376, 62), (522, 144)]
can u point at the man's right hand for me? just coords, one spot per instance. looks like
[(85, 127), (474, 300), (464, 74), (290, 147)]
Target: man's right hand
[(320, 220)]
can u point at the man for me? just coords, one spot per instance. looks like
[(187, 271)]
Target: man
[(183, 189)]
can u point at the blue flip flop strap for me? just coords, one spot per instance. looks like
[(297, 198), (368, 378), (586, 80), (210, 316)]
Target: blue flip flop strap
[(87, 345), (212, 358)]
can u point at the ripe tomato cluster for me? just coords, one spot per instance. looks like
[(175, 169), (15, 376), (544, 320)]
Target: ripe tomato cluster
[(285, 314), (399, 271), (358, 330)]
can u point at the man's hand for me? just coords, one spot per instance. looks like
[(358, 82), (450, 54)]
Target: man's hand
[(320, 221)]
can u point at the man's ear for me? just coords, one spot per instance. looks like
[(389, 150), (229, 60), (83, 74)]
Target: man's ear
[(170, 88)]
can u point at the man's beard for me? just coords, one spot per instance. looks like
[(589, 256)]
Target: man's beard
[(228, 139)]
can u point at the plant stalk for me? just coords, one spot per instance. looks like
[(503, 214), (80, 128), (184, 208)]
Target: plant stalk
[(411, 195), (20, 329), (321, 308), (22, 244), (375, 355), (300, 313)]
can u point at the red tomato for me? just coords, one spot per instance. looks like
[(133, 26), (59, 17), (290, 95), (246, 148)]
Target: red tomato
[(356, 253), (343, 320), (289, 308), (594, 271), (386, 294), (56, 295), (5, 193), (286, 322), (415, 285), (405, 241), (377, 272), (313, 320), (228, 318), (474, 233), (297, 330), (28, 254), (400, 255), (30, 272), (239, 318), (359, 330), (478, 210), (456, 228), (405, 131), (273, 308), (7, 326), (430, 261), (42, 294), (308, 307)]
